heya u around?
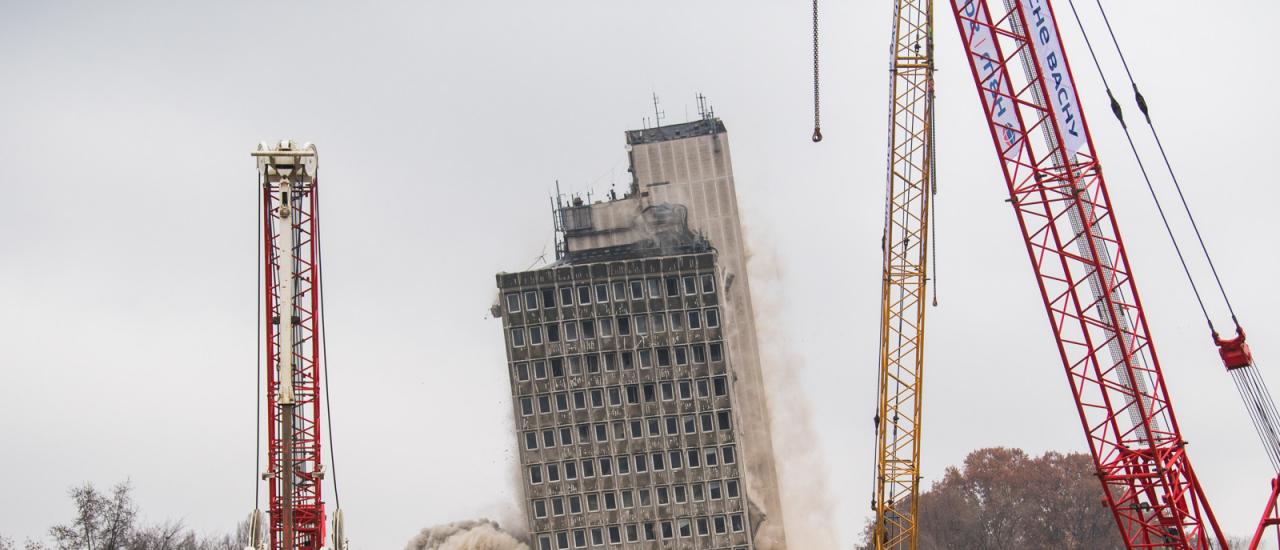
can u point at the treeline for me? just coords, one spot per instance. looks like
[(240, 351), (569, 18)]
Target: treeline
[(110, 521)]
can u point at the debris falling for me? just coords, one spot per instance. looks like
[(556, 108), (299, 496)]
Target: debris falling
[(481, 534)]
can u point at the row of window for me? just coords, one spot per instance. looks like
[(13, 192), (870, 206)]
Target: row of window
[(627, 498), (709, 422), (667, 529), (642, 462), (716, 385), (593, 363), (657, 287), (644, 324)]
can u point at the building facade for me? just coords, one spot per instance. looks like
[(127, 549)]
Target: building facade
[(636, 380)]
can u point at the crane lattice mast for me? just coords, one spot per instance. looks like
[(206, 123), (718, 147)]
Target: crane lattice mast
[(1059, 196), (908, 194), (295, 470)]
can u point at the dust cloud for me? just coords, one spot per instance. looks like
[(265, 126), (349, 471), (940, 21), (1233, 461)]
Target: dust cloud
[(802, 470), (481, 534)]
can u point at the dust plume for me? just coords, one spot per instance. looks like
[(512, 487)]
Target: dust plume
[(481, 534), (802, 470)]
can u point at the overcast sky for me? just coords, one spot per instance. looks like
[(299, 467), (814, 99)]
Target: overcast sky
[(128, 210)]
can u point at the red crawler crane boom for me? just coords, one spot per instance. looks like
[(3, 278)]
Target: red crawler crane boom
[(1060, 199), (292, 270)]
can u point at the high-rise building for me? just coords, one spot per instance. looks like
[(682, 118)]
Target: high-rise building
[(635, 373)]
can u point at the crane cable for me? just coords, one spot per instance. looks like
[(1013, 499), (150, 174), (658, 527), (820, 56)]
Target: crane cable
[(1115, 109), (817, 119), (257, 314), (1142, 106), (324, 347)]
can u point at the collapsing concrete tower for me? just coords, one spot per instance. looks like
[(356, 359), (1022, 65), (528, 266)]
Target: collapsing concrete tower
[(635, 372)]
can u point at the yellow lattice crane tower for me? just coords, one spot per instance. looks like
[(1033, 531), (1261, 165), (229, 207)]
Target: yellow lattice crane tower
[(909, 194)]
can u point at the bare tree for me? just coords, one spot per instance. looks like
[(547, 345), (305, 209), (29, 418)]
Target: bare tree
[(102, 522)]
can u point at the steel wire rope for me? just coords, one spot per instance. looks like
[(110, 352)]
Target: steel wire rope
[(817, 119), (1142, 106), (1115, 109), (257, 314), (324, 343)]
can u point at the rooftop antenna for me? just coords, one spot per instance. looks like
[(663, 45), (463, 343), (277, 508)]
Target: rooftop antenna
[(658, 115)]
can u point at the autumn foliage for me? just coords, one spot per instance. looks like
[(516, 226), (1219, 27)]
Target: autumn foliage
[(1004, 499)]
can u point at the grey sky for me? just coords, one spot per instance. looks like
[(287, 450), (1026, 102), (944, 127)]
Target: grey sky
[(127, 256)]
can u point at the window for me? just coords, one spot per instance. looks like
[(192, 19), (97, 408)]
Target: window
[(624, 326), (642, 324), (695, 320), (704, 388), (553, 472), (731, 488), (722, 420), (668, 391), (597, 534), (566, 296), (535, 335), (610, 362), (644, 497), (666, 529), (721, 386), (531, 300), (589, 328), (517, 337), (588, 468), (619, 291), (717, 353), (557, 367), (718, 521), (544, 543), (571, 473), (633, 395), (575, 505), (593, 364), (606, 466), (553, 332), (535, 474), (690, 425), (575, 365), (624, 465), (659, 461), (699, 354), (711, 458), (655, 288), (713, 317), (548, 438), (637, 429), (655, 427), (690, 285), (562, 402), (735, 521), (579, 538), (664, 357), (708, 283), (699, 494), (530, 441), (610, 501), (637, 290), (544, 404), (650, 395), (727, 454), (694, 459), (579, 400), (557, 506), (602, 433), (619, 430), (584, 295), (540, 508), (646, 359), (680, 494), (606, 326), (676, 458), (548, 298), (677, 320), (584, 433), (602, 293), (615, 535), (685, 527), (659, 321), (642, 466), (570, 331), (597, 398), (703, 529), (633, 535), (562, 540), (522, 372), (673, 426), (615, 397), (526, 406), (628, 501), (627, 362), (686, 389), (513, 302), (673, 286), (682, 355)]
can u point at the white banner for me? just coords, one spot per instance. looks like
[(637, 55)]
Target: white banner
[(1053, 67), (995, 88)]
